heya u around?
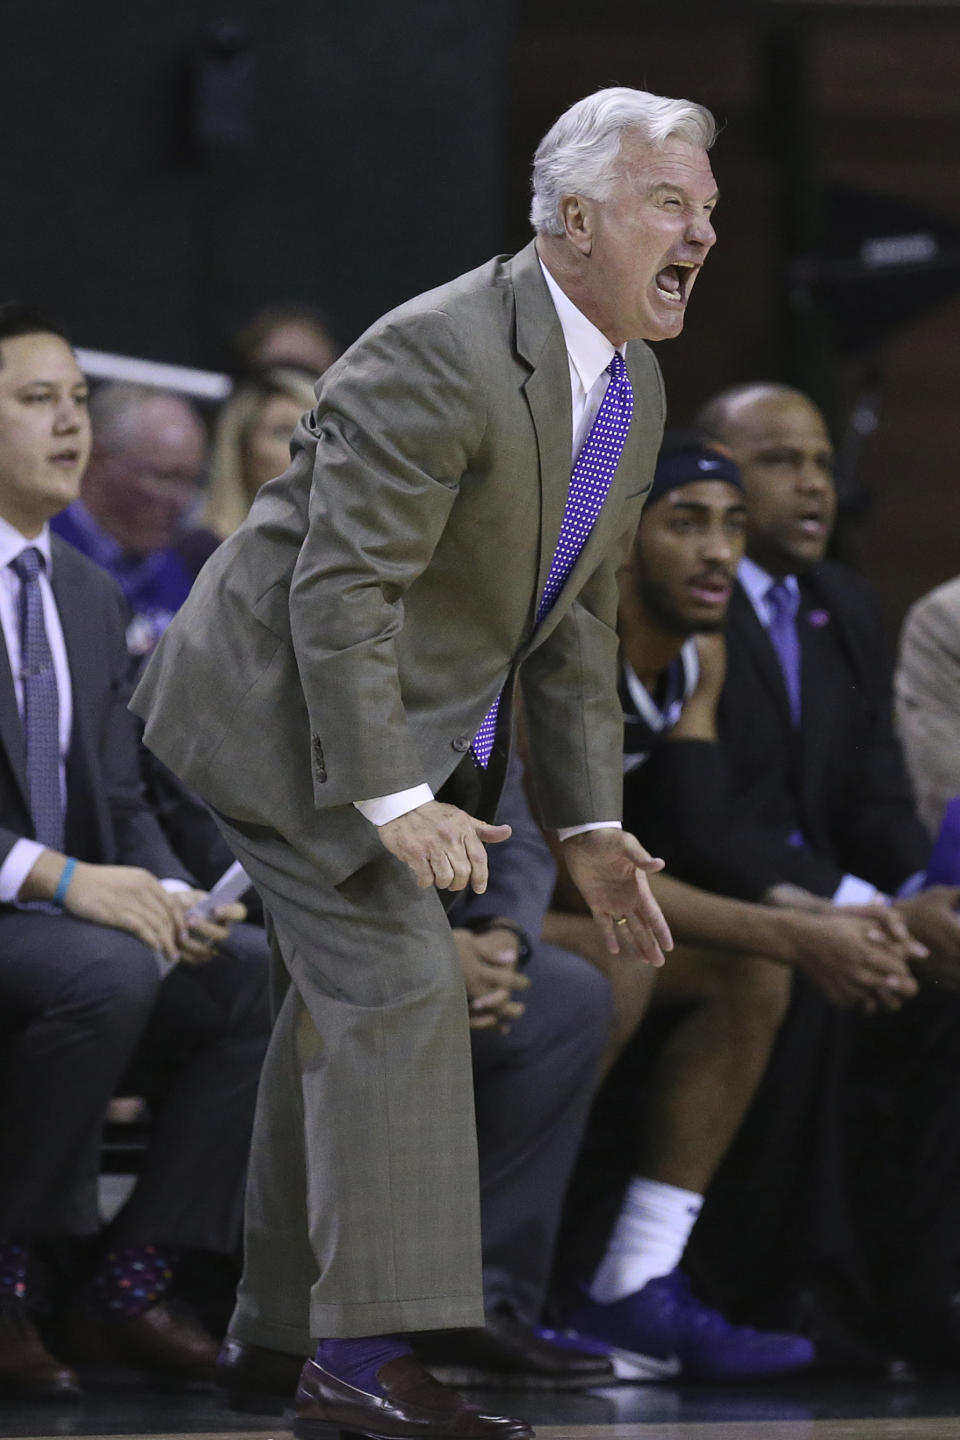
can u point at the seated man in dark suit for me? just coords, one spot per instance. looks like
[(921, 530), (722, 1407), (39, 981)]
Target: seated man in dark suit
[(103, 972), (805, 720), (727, 986)]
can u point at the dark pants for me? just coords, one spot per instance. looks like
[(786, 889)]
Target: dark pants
[(533, 1090), (83, 1012)]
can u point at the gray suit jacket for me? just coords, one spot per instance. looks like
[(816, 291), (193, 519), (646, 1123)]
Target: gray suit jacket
[(347, 641), (927, 686)]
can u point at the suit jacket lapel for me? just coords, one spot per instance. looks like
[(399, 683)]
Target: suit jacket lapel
[(79, 641), (818, 658), (11, 727), (757, 642), (547, 390), (540, 342), (610, 518)]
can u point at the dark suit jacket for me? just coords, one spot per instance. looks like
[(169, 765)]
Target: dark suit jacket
[(108, 822), (840, 779)]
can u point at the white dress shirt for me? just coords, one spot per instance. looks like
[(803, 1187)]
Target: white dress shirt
[(756, 583), (589, 352), (23, 855)]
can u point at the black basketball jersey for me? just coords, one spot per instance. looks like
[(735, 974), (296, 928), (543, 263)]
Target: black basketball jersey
[(647, 718)]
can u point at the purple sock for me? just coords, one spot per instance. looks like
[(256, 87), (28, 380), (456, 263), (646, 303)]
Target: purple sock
[(130, 1280), (357, 1361), (13, 1272)]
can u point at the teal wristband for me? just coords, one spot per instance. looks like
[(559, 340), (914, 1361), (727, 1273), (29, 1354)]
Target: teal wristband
[(63, 884)]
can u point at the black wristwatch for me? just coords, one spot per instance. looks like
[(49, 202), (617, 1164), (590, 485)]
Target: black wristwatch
[(485, 923)]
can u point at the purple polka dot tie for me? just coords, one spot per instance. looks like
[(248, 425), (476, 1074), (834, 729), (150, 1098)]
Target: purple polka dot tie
[(589, 484), (41, 705)]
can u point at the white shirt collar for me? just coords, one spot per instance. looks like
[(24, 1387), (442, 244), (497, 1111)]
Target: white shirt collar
[(756, 582), (589, 349), (12, 542)]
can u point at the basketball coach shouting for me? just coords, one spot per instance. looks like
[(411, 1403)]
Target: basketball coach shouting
[(428, 558)]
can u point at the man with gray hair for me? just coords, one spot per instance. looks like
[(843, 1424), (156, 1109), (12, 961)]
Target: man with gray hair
[(429, 556), (147, 463)]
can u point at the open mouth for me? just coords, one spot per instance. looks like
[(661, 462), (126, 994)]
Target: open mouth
[(65, 457), (710, 589), (673, 281), (812, 522)]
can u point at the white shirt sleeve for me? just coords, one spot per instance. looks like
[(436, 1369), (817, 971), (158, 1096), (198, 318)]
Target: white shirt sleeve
[(854, 891), (385, 808), (21, 858), (566, 831)]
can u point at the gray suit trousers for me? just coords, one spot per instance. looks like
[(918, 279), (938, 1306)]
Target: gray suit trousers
[(363, 1176)]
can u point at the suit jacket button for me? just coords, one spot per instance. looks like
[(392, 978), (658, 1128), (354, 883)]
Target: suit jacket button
[(461, 743)]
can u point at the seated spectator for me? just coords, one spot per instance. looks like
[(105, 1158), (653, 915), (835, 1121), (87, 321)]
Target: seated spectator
[(104, 976), (142, 483), (730, 996), (820, 812), (927, 687), (287, 335), (251, 443)]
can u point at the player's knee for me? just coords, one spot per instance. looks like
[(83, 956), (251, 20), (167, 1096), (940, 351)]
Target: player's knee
[(758, 993)]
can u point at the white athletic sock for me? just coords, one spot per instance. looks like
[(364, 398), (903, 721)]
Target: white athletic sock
[(648, 1239)]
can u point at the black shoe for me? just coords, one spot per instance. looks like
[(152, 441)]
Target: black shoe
[(257, 1379), (510, 1354), (27, 1369), (412, 1407)]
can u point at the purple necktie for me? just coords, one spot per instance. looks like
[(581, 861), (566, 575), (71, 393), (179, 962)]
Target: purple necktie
[(782, 629), (41, 705), (589, 484)]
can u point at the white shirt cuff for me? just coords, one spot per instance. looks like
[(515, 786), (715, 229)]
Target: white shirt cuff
[(385, 808), (565, 831), (854, 891), (20, 860)]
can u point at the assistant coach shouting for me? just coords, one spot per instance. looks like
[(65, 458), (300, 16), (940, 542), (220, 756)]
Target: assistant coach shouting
[(355, 647)]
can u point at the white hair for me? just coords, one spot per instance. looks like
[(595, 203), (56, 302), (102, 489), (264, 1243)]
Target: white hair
[(579, 153)]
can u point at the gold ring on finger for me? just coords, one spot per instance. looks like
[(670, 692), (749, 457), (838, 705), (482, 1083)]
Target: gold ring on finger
[(621, 921)]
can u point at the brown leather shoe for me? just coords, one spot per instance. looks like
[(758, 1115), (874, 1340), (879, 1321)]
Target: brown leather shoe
[(414, 1407), (251, 1375), (26, 1366), (165, 1341)]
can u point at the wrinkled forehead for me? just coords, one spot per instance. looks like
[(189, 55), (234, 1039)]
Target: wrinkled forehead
[(673, 163)]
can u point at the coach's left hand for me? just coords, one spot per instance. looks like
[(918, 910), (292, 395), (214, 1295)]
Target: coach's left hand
[(610, 868)]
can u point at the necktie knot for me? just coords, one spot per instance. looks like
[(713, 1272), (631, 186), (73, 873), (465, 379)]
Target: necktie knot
[(783, 601), (28, 564), (617, 368)]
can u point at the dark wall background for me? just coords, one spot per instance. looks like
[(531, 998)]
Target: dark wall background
[(374, 150), (367, 163), (810, 94)]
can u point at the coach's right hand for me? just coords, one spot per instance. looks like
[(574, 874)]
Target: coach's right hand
[(443, 845)]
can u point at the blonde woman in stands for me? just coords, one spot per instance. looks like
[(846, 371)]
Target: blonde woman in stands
[(252, 442)]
